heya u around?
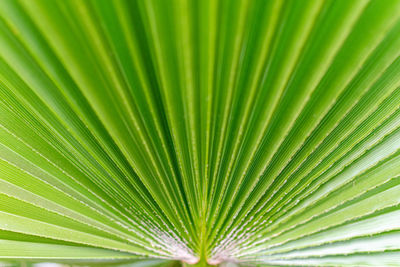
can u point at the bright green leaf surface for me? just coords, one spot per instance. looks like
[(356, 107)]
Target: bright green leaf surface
[(232, 132)]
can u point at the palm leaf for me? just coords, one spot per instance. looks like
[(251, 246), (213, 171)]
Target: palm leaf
[(210, 132)]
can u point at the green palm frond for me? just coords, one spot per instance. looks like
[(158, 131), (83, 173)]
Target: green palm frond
[(169, 132)]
